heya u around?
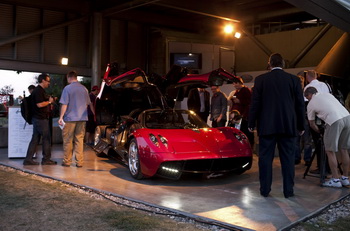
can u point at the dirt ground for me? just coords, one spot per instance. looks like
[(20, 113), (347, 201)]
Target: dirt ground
[(29, 202)]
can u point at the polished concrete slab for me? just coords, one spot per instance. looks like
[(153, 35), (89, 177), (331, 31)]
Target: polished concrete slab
[(232, 199)]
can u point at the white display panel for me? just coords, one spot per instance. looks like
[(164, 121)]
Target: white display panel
[(19, 134)]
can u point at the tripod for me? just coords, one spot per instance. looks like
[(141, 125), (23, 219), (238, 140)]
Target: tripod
[(322, 166)]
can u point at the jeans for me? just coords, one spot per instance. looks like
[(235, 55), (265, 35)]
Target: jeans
[(40, 130)]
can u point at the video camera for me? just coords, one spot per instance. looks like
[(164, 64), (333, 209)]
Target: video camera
[(320, 124)]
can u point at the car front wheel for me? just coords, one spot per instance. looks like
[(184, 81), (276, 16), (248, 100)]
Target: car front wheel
[(134, 160)]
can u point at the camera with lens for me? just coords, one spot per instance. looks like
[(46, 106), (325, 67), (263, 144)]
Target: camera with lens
[(320, 124)]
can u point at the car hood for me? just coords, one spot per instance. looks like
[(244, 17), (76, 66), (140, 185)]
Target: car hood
[(204, 141)]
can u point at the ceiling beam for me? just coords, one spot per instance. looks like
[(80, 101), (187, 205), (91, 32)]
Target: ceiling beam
[(126, 7), (327, 10), (198, 12), (40, 31)]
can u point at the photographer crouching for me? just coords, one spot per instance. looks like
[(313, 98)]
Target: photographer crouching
[(337, 132)]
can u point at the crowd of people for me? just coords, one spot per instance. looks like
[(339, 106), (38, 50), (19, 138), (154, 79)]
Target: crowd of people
[(278, 111), (287, 111)]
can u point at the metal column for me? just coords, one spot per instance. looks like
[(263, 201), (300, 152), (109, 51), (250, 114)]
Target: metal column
[(96, 49)]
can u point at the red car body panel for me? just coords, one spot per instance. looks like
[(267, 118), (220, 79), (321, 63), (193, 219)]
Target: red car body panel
[(207, 78), (187, 144)]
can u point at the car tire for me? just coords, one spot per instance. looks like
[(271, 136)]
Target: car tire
[(134, 160)]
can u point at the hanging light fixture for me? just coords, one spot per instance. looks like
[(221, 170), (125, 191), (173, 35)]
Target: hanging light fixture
[(64, 61)]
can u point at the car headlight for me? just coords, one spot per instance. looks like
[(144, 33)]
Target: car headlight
[(154, 139), (240, 136), (163, 140)]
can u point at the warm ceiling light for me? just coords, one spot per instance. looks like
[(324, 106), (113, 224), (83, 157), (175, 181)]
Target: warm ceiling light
[(228, 29), (64, 61), (237, 35)]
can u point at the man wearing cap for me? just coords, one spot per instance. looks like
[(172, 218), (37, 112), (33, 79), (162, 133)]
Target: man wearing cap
[(240, 100)]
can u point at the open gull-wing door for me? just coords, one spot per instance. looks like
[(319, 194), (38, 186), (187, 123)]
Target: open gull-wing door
[(121, 94), (136, 75), (214, 78)]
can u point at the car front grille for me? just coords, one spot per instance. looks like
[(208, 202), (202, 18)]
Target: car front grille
[(174, 169)]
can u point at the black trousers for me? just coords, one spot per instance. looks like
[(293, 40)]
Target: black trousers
[(203, 115), (286, 147)]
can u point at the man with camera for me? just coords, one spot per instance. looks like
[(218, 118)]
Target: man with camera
[(41, 103), (321, 87), (337, 132)]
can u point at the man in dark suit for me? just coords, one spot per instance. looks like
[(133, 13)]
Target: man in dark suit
[(278, 110), (199, 102)]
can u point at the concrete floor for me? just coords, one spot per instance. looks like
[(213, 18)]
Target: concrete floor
[(232, 200)]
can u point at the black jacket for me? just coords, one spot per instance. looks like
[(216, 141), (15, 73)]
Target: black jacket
[(193, 102), (277, 105)]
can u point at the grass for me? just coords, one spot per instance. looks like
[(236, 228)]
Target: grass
[(342, 224), (29, 203)]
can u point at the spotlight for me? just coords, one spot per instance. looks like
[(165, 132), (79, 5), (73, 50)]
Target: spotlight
[(228, 29), (237, 35), (64, 61)]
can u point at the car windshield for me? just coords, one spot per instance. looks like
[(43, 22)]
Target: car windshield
[(173, 119)]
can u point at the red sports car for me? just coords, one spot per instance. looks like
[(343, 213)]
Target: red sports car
[(136, 126)]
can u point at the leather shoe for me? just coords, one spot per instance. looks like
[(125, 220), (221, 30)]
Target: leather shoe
[(30, 162), (289, 195), (49, 162), (65, 165), (264, 194), (79, 166)]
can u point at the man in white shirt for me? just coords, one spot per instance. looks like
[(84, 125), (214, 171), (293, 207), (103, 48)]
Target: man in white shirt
[(311, 78), (337, 131), (321, 87)]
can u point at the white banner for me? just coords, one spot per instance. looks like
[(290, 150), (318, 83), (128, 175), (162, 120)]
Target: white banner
[(19, 134)]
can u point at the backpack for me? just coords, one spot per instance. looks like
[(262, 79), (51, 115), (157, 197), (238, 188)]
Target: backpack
[(26, 109)]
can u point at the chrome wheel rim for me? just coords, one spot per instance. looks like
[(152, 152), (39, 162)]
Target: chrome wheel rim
[(133, 158), (97, 136)]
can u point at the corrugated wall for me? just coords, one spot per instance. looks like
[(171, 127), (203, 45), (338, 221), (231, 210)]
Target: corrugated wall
[(71, 41)]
